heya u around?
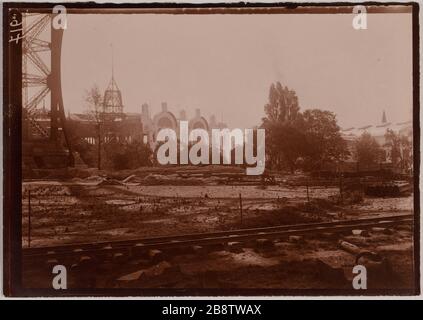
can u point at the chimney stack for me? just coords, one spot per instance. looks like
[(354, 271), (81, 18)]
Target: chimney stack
[(212, 120), (144, 111), (164, 107), (384, 117)]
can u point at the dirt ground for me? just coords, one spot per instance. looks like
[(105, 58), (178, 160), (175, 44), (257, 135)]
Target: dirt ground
[(98, 209), (75, 212), (310, 263)]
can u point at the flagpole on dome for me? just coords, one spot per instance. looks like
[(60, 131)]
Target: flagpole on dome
[(112, 62)]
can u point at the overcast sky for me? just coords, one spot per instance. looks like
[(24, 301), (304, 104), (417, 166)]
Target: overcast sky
[(224, 64)]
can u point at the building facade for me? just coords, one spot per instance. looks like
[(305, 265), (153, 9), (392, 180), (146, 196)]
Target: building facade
[(166, 119), (121, 126), (378, 132)]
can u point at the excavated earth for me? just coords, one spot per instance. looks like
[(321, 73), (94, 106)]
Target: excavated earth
[(98, 209)]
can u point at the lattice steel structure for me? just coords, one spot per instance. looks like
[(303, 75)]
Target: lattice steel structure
[(47, 79), (112, 101)]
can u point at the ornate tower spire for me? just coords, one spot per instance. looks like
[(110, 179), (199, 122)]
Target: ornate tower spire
[(112, 63), (112, 102)]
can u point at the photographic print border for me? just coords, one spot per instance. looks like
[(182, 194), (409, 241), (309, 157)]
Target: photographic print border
[(12, 154)]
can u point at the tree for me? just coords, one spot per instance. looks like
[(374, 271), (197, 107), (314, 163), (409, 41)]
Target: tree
[(324, 143), (282, 105), (312, 137), (86, 151), (124, 155), (401, 149), (285, 144), (139, 154), (94, 103), (367, 151), (284, 140)]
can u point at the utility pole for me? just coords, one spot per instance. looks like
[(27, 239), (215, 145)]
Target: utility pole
[(308, 195), (240, 206), (29, 218)]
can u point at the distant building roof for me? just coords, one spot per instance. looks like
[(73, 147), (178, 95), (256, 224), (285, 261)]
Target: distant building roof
[(80, 117), (379, 129)]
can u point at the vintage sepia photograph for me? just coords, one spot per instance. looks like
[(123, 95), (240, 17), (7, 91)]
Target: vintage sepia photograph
[(219, 150)]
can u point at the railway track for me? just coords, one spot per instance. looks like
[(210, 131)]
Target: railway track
[(212, 238)]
